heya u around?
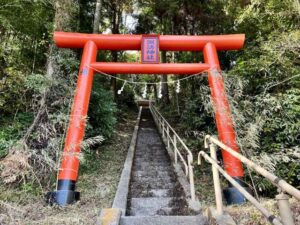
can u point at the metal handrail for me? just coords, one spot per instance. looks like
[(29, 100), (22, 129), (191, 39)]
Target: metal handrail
[(271, 177), (271, 218), (173, 138), (284, 207)]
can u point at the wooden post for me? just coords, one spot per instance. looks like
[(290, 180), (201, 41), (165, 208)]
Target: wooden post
[(191, 177), (285, 209), (216, 178), (168, 136), (175, 149)]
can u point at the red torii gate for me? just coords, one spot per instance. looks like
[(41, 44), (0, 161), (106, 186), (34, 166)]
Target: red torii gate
[(91, 43)]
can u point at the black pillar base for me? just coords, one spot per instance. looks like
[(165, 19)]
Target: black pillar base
[(64, 195), (233, 195)]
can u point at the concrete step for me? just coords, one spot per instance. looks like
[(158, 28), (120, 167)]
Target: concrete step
[(148, 129), (154, 173), (151, 179), (163, 220), (158, 206), (151, 146), (151, 185), (145, 167), (149, 206), (149, 133), (149, 153), (150, 141), (152, 156), (152, 193), (151, 162), (147, 164), (161, 193), (148, 149)]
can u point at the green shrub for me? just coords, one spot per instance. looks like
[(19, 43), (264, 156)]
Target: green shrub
[(102, 111), (11, 129)]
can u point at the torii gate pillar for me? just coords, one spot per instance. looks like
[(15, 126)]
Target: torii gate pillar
[(68, 173), (232, 165)]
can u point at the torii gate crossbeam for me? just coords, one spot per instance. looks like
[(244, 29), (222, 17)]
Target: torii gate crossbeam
[(91, 43)]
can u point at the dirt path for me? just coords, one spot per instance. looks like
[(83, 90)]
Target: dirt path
[(97, 183)]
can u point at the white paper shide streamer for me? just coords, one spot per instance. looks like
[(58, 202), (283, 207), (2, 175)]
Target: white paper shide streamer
[(160, 90), (178, 87), (145, 91), (137, 83), (122, 88)]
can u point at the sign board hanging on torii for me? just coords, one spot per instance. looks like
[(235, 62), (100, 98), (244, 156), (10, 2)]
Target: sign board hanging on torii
[(150, 49)]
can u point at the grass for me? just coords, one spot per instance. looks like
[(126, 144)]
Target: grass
[(247, 214), (98, 179), (11, 129)]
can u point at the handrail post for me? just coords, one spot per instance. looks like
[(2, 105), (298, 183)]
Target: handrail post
[(216, 179), (175, 149), (168, 136), (285, 209), (191, 177), (163, 128), (160, 124), (271, 218)]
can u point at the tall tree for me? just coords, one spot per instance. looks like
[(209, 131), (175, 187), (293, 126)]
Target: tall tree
[(97, 16), (164, 80), (116, 9), (64, 15), (116, 21), (53, 101)]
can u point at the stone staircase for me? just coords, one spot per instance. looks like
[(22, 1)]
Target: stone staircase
[(163, 220), (155, 195)]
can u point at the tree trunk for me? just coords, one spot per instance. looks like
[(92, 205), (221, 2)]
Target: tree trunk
[(97, 16), (62, 22), (64, 15), (155, 92), (113, 81), (164, 79), (45, 129), (115, 30)]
